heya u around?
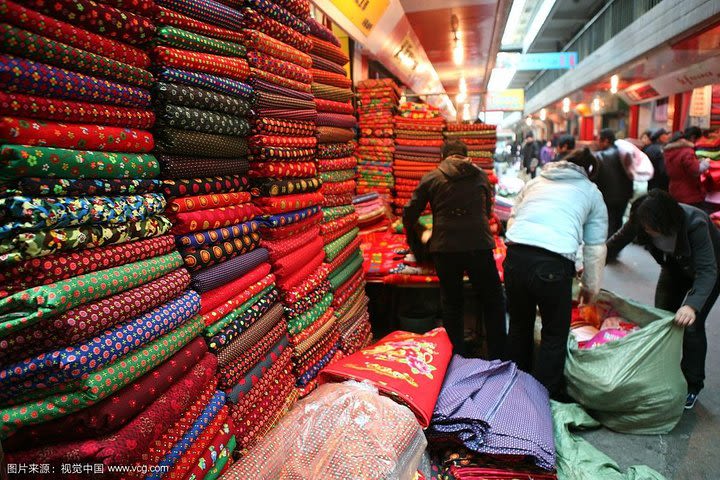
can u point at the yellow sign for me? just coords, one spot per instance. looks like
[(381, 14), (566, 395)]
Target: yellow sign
[(364, 14), (509, 100)]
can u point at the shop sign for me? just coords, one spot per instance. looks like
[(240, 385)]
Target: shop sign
[(700, 101), (510, 100), (537, 61), (364, 14)]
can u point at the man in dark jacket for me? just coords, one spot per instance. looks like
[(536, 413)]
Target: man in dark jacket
[(460, 196), (530, 154), (565, 145), (654, 151), (613, 181)]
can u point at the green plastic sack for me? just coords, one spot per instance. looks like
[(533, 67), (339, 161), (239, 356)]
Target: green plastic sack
[(634, 384), (577, 459)]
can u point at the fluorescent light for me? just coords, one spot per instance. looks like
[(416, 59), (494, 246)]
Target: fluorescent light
[(513, 22), (614, 84), (458, 52), (536, 24), (543, 114), (466, 112), (462, 85), (566, 105), (500, 79), (596, 104), (460, 98)]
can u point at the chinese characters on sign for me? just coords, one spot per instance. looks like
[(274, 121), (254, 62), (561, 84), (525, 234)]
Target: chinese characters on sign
[(364, 14)]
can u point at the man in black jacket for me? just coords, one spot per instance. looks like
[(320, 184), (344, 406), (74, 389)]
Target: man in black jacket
[(612, 180), (530, 154), (654, 151), (460, 196)]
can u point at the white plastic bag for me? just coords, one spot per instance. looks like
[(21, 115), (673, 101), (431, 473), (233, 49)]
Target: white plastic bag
[(637, 165)]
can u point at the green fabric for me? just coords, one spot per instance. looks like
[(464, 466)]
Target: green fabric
[(334, 248), (218, 326), (425, 221), (333, 213), (634, 384), (28, 307), (711, 154), (345, 271), (45, 242), (301, 322), (577, 459), (337, 175), (175, 37), (349, 304), (17, 161), (100, 383), (222, 460)]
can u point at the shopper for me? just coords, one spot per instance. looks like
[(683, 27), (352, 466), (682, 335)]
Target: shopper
[(565, 145), (554, 215), (530, 154), (612, 180), (684, 169), (645, 139), (686, 244), (547, 153), (654, 151), (461, 199)]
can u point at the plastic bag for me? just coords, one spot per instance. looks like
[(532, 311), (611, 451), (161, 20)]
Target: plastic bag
[(341, 431), (637, 164), (633, 384)]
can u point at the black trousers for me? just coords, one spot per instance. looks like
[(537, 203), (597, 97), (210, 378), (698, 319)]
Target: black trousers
[(536, 278), (669, 295), (615, 217), (480, 266)]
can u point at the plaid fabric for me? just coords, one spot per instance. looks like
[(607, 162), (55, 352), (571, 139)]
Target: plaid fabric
[(164, 16), (255, 20), (219, 84), (329, 92), (208, 11), (175, 94), (175, 37), (260, 42), (235, 68)]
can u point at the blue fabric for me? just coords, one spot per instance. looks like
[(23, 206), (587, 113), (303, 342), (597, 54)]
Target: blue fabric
[(204, 80), (310, 374), (280, 220), (209, 237), (226, 272)]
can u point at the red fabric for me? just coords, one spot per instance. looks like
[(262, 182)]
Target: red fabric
[(168, 17), (291, 229), (334, 107), (282, 248), (257, 21), (346, 290), (127, 444), (204, 202), (36, 22), (231, 67), (214, 218), (278, 141), (293, 262), (207, 457), (329, 78), (283, 169), (327, 50), (345, 163), (346, 253), (338, 188), (270, 64), (326, 318), (292, 281), (237, 301), (337, 200), (310, 283), (344, 224), (214, 299), (189, 459), (288, 203), (406, 366)]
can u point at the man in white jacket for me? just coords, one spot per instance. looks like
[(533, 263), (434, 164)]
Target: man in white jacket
[(554, 215)]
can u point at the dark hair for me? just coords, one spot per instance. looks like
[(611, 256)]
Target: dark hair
[(693, 133), (676, 136), (607, 134), (584, 158), (529, 135), (656, 134), (659, 211), (454, 147), (566, 141), (648, 133)]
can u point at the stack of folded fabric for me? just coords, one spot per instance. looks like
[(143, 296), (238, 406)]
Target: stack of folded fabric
[(480, 139), (100, 351), (418, 141), (372, 212), (377, 102), (710, 148), (715, 108)]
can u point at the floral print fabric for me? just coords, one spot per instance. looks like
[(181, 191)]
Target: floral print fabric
[(202, 120), (175, 37), (183, 95), (163, 16), (203, 80), (208, 11), (203, 186), (260, 42)]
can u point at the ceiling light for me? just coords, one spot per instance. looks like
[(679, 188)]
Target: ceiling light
[(513, 22), (614, 83), (460, 98), (529, 121), (466, 112), (543, 114), (537, 23), (458, 52), (500, 79), (462, 85), (566, 105), (596, 104)]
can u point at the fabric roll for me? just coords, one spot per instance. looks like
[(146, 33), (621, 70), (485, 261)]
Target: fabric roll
[(335, 200), (322, 32), (299, 8), (283, 169), (311, 282), (335, 150), (345, 271), (274, 126), (209, 237), (255, 20), (186, 96), (163, 16), (304, 115), (260, 42), (337, 164), (338, 188), (182, 39), (204, 80), (208, 11), (181, 167), (293, 229), (218, 428), (223, 66), (349, 251), (218, 275), (334, 107), (275, 12), (258, 75), (187, 118), (272, 101), (334, 248), (329, 92), (327, 50), (287, 187), (334, 223), (18, 75), (319, 63), (273, 87), (315, 333), (288, 203), (226, 302), (204, 186), (185, 142), (209, 219), (197, 258)]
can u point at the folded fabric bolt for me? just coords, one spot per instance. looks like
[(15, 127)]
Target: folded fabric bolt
[(334, 213), (288, 203), (299, 8), (284, 219), (203, 202), (204, 186), (329, 134), (213, 218), (286, 187), (298, 277), (225, 331), (208, 11), (222, 461), (218, 275), (178, 38), (329, 78), (345, 271), (293, 262), (335, 200), (273, 11), (266, 100), (187, 96), (327, 50), (322, 32), (319, 63), (338, 188), (311, 282), (334, 248), (163, 16), (213, 458), (255, 20), (245, 344), (218, 302), (209, 237), (345, 253), (315, 332), (18, 75), (290, 154), (334, 107), (335, 150), (337, 164), (338, 176), (101, 383), (258, 75), (282, 141), (185, 142), (204, 80), (237, 393), (274, 126), (258, 41), (283, 169), (289, 70), (269, 87), (291, 230), (182, 167), (305, 115), (329, 92), (202, 120), (283, 247), (197, 258)]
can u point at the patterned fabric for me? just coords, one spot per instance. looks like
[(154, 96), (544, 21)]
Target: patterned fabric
[(312, 282), (38, 213), (247, 349), (267, 63), (302, 321), (175, 37), (285, 92), (221, 301), (38, 244), (217, 428), (30, 106), (163, 16), (315, 333), (323, 64), (337, 164), (222, 462), (334, 107), (339, 188), (273, 126), (316, 366), (337, 200), (252, 378), (266, 100), (235, 68), (288, 203), (338, 176), (74, 136), (282, 220), (187, 222), (281, 248), (290, 154), (215, 456), (208, 11), (335, 150), (213, 82), (329, 92), (307, 302), (181, 167), (341, 275), (274, 141), (185, 142), (101, 383), (348, 252), (218, 275), (99, 18), (26, 308), (255, 20), (293, 229), (204, 186), (18, 75), (286, 187), (306, 115), (335, 134), (269, 77), (283, 169), (239, 320), (200, 239), (31, 20), (169, 93), (22, 43), (340, 224), (202, 120), (196, 259), (322, 32), (330, 78), (331, 52), (260, 42), (273, 11)]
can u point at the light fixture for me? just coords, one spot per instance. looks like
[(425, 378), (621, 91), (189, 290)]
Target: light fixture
[(566, 105), (513, 22), (536, 24), (460, 98), (458, 52), (466, 112), (462, 85), (543, 114), (500, 79), (614, 83), (529, 121), (596, 104)]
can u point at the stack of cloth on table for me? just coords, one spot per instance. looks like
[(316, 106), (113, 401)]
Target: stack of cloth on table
[(377, 102), (710, 148), (492, 419), (480, 139), (100, 350), (372, 210), (418, 142)]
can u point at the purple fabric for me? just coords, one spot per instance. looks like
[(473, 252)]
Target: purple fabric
[(307, 115), (226, 272), (365, 197), (485, 406), (412, 148), (325, 64), (325, 119), (263, 86)]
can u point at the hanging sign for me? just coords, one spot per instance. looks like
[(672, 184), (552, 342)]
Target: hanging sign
[(364, 14), (700, 101), (537, 61), (510, 100)]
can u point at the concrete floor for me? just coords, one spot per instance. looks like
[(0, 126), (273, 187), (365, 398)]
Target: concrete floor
[(690, 451)]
